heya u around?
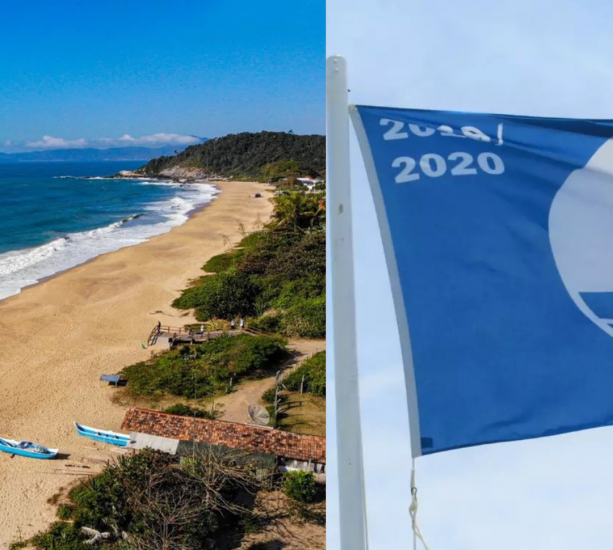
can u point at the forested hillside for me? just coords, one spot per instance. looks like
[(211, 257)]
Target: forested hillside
[(261, 156)]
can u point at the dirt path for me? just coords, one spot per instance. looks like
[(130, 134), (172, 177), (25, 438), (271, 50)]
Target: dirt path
[(282, 531), (234, 406)]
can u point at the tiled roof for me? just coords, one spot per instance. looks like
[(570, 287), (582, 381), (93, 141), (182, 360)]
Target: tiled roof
[(256, 439)]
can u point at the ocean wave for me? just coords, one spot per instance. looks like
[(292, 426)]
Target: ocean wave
[(98, 178), (22, 268)]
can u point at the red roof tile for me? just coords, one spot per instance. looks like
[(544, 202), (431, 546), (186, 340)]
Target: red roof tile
[(230, 434)]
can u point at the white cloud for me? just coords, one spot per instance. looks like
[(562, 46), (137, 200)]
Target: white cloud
[(50, 142), (162, 138), (126, 140)]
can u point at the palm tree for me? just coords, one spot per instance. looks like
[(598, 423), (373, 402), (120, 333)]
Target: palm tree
[(299, 210)]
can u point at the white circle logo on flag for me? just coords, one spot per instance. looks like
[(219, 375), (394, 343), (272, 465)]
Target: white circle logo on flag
[(581, 236)]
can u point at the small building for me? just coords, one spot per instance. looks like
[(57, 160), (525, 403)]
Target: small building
[(180, 434)]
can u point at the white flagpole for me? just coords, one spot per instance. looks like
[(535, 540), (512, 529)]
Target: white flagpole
[(348, 427)]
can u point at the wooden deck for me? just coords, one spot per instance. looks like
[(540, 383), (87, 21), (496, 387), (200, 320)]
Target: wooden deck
[(181, 335)]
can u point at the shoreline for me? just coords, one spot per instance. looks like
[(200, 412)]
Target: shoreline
[(189, 215), (62, 333), (83, 246)]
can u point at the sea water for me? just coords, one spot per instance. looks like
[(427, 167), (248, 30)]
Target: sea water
[(54, 217)]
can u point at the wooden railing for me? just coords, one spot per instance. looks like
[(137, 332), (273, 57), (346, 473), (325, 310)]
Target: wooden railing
[(179, 331), (157, 330), (256, 331)]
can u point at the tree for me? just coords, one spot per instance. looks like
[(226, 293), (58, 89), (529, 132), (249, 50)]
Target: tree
[(301, 486), (157, 502), (224, 295), (299, 211), (249, 155), (229, 295), (179, 507)]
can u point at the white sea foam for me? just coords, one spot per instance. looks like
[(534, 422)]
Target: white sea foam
[(22, 268), (114, 178)]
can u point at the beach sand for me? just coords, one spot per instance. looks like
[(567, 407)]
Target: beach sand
[(59, 336)]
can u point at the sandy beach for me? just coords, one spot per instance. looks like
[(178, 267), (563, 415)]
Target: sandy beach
[(60, 335)]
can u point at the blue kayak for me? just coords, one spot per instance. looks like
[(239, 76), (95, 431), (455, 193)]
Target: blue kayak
[(104, 436), (26, 448)]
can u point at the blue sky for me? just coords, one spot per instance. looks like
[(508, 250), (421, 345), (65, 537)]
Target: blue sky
[(77, 70), (544, 57)]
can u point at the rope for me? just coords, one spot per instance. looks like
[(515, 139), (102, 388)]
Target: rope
[(413, 512)]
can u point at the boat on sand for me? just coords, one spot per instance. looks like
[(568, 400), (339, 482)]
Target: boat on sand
[(26, 448), (104, 436)]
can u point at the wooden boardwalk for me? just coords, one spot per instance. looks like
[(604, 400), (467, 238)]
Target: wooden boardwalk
[(182, 335)]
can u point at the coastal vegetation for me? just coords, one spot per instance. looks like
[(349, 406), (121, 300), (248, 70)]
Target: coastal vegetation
[(301, 403), (152, 500), (213, 498), (255, 156), (275, 276), (206, 369), (301, 486), (309, 377)]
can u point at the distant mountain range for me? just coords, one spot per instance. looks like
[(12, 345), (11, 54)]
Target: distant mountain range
[(90, 155)]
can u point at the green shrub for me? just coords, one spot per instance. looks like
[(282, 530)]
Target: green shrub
[(295, 292), (267, 323), (314, 372), (245, 354), (307, 319), (265, 255), (303, 256), (65, 511), (194, 295), (169, 374), (223, 296), (201, 370), (301, 486), (185, 410), (230, 295), (269, 395), (252, 240), (270, 288), (221, 262), (61, 536), (98, 503)]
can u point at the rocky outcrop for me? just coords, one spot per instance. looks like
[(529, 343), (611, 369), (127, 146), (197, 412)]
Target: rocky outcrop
[(125, 174), (180, 172), (175, 173)]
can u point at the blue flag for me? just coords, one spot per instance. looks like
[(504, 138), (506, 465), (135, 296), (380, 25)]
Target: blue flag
[(498, 234)]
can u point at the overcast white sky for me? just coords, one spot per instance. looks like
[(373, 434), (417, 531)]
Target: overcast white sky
[(538, 57)]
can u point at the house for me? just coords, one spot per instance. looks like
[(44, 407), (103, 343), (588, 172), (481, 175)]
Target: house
[(179, 434)]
